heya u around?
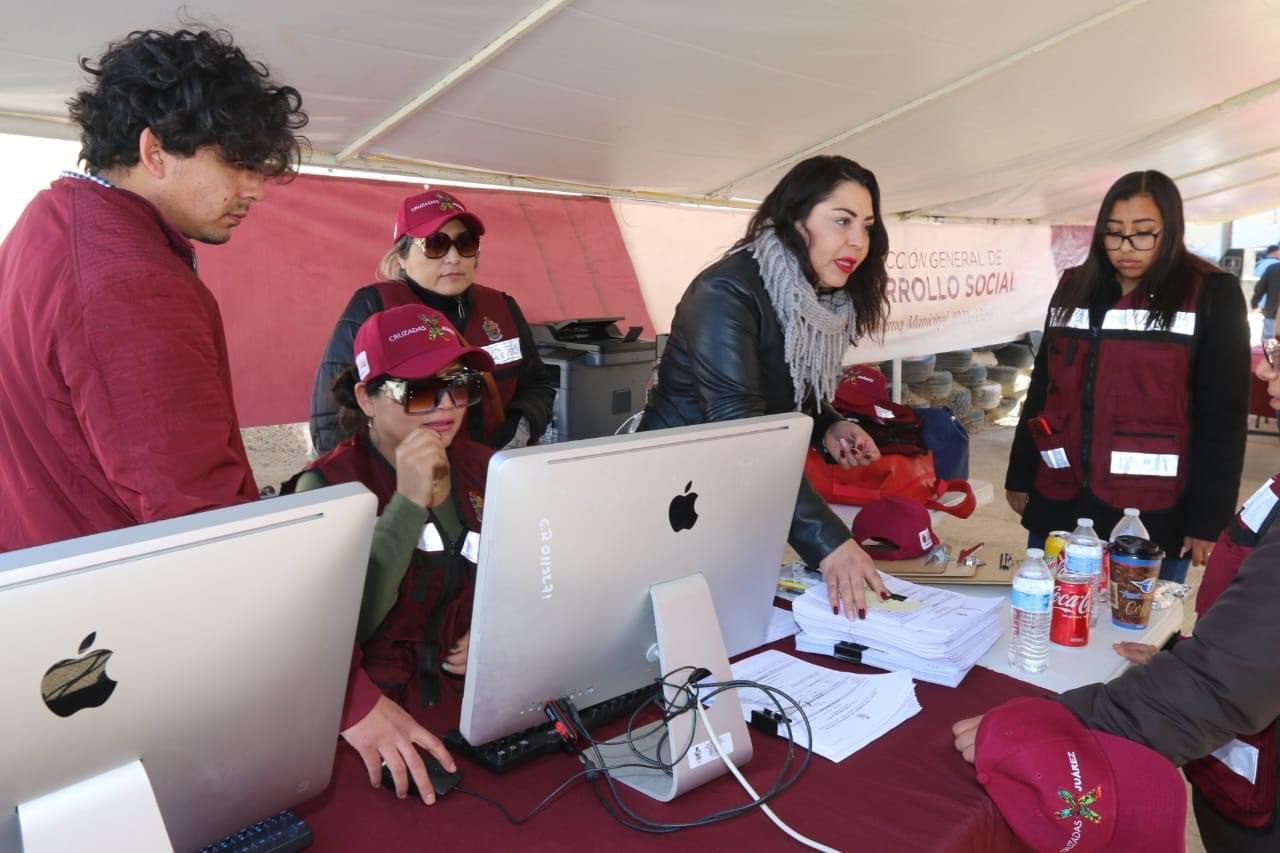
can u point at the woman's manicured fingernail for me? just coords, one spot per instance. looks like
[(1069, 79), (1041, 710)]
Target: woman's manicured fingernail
[(835, 611), (862, 613), (884, 596)]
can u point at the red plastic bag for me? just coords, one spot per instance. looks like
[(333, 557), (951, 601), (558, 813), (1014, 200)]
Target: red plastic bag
[(892, 475)]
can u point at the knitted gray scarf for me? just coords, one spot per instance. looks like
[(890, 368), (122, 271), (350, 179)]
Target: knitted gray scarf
[(817, 333)]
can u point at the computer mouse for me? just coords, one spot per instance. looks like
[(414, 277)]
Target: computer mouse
[(442, 781)]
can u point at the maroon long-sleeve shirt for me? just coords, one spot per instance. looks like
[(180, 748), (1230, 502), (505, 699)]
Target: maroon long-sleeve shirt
[(115, 391)]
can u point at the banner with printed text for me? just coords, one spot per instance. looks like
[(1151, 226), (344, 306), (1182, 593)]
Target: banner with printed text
[(958, 286), (950, 286)]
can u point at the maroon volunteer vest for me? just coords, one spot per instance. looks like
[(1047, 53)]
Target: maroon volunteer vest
[(433, 602), (1118, 403), (1247, 803), (489, 324)]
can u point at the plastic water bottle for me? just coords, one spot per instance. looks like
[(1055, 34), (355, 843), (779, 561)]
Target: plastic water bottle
[(1130, 525), (1030, 614), (1084, 557)]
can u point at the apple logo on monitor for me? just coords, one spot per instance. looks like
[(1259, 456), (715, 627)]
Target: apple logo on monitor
[(73, 684), (681, 513)]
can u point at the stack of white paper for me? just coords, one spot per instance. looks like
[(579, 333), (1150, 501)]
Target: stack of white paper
[(938, 641), (845, 711)]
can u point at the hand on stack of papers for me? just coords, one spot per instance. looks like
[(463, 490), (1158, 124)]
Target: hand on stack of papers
[(846, 711), (938, 639)]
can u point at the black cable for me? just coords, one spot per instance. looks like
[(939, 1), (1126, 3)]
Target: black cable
[(691, 693), (629, 818), (668, 713), (546, 801)]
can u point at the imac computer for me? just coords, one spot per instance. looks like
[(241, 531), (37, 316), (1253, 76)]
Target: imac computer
[(608, 562), (166, 684)]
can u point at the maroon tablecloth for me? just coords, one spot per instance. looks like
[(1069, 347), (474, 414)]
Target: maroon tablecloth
[(908, 791)]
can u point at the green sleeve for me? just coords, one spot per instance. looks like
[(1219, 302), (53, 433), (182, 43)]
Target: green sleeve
[(394, 537)]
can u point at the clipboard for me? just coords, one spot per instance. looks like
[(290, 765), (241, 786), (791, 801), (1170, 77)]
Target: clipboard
[(921, 570)]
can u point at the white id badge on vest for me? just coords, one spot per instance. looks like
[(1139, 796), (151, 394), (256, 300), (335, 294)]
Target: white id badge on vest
[(1258, 507), (471, 546), (1241, 759), (504, 352), (1055, 458), (430, 540), (1134, 464)]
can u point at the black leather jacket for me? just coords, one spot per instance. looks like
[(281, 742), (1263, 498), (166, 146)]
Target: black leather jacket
[(725, 360)]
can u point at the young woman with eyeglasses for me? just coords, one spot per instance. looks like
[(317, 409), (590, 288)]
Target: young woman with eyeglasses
[(1140, 390), (403, 404), (432, 262)]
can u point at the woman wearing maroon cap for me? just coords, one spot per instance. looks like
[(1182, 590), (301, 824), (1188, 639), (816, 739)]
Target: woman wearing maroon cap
[(403, 404), (433, 262)]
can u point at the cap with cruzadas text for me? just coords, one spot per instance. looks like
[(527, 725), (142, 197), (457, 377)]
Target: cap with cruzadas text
[(1064, 787), (426, 213), (412, 342)]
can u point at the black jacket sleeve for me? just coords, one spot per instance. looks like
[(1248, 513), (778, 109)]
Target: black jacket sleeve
[(1270, 285), (822, 421), (1223, 681), (1219, 409), (338, 356), (535, 390), (1259, 290), (726, 320), (1023, 458)]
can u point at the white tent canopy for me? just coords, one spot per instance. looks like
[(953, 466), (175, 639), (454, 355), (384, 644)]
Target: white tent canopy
[(986, 109)]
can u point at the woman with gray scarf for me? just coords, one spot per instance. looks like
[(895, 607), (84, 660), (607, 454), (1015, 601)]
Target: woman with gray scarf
[(763, 330)]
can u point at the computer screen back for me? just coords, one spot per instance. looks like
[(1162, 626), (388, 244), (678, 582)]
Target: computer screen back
[(575, 534)]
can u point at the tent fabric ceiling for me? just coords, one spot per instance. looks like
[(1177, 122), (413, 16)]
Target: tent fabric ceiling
[(988, 109)]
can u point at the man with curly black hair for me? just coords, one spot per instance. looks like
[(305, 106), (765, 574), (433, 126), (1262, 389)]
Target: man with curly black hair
[(115, 393)]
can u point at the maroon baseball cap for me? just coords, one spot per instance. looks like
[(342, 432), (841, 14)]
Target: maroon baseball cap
[(901, 526), (412, 342), (426, 213), (1062, 786), (859, 390)]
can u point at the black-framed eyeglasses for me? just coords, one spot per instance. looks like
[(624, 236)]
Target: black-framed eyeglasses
[(437, 245), (1271, 352), (420, 396), (1141, 241)]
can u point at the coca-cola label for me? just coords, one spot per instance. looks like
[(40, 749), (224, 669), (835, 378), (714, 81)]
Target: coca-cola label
[(1071, 601), (1069, 624)]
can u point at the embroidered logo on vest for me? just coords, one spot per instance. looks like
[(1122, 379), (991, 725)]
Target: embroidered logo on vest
[(491, 329)]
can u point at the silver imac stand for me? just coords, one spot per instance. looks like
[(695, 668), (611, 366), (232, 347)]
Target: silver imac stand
[(688, 636), (113, 812)]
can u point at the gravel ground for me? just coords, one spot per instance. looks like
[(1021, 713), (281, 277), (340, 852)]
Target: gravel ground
[(277, 452)]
